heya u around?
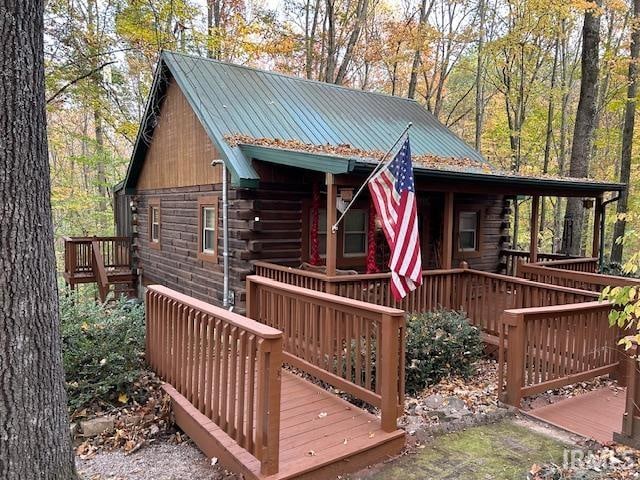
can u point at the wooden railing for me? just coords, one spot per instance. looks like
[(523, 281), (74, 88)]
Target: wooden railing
[(550, 347), (437, 289), (78, 258), (226, 365), (515, 257), (355, 346), (574, 264), (484, 296), (595, 282)]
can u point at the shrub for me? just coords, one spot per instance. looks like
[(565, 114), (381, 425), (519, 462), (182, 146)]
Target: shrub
[(439, 343), (102, 349)]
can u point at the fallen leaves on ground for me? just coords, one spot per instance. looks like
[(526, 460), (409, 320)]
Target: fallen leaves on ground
[(134, 425)]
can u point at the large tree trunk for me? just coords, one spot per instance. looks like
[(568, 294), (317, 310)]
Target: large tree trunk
[(479, 110), (627, 133), (584, 128), (34, 428)]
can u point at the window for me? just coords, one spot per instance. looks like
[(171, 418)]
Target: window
[(355, 233), (468, 231), (208, 228), (155, 223)]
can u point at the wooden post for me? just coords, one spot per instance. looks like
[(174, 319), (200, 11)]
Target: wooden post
[(515, 358), (597, 215), (269, 391), (389, 375), (332, 238), (535, 226), (447, 232)]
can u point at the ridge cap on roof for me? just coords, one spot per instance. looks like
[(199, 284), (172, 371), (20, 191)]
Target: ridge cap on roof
[(284, 75)]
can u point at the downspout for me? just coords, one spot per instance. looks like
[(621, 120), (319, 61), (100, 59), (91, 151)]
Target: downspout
[(225, 235), (602, 223)]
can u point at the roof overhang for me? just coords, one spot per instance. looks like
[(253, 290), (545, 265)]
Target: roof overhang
[(506, 183), (317, 162)]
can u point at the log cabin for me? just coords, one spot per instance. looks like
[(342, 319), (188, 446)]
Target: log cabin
[(293, 150), (235, 180)]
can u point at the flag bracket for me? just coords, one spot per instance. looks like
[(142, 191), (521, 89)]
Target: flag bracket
[(376, 170)]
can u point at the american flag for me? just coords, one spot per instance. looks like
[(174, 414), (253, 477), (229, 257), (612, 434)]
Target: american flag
[(393, 193)]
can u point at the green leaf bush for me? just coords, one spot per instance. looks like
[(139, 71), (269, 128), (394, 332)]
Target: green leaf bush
[(439, 343), (102, 349)]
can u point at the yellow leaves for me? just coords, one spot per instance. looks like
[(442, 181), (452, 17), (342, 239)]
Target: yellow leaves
[(123, 398)]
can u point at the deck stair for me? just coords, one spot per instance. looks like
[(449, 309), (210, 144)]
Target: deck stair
[(105, 261)]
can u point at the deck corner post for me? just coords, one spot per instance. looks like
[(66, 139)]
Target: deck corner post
[(515, 357), (389, 360), (270, 391), (252, 298)]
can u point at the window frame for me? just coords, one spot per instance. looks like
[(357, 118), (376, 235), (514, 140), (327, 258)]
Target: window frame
[(208, 202), (363, 232), (476, 231), (155, 204)]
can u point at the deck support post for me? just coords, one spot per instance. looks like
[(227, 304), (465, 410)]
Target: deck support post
[(389, 376), (332, 237), (514, 323), (597, 218), (447, 232), (535, 227)]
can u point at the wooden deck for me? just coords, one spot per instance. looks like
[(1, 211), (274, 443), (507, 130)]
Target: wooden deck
[(596, 415), (321, 435)]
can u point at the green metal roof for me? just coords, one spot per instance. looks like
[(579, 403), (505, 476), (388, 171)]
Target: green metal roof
[(233, 100)]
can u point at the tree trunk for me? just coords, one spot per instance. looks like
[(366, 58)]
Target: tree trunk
[(549, 133), (479, 113), (361, 15), (627, 134), (329, 75), (584, 126), (34, 427)]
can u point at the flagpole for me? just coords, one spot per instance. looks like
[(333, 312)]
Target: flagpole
[(334, 227)]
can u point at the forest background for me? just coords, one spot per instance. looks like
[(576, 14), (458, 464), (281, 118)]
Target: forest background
[(505, 75)]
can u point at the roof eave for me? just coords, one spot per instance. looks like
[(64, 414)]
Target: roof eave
[(573, 185)]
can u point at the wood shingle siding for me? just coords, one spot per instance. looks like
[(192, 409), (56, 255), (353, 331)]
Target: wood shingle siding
[(180, 154)]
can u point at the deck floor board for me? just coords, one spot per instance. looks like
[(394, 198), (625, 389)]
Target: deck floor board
[(318, 432), (596, 415)]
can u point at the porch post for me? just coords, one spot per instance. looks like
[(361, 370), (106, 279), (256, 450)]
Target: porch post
[(332, 242), (597, 216), (535, 226), (447, 232)]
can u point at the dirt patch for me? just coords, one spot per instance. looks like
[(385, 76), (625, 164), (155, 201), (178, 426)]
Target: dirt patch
[(162, 461)]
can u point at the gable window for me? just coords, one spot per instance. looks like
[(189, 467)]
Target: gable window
[(154, 223), (468, 231), (355, 233), (208, 228)]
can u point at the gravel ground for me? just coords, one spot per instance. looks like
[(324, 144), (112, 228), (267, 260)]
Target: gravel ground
[(162, 461)]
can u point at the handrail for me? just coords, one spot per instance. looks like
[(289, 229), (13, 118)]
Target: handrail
[(550, 347), (99, 270), (227, 366), (574, 278), (251, 326), (525, 281), (355, 346), (90, 239)]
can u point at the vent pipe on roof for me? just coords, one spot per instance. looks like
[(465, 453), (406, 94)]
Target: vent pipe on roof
[(226, 303)]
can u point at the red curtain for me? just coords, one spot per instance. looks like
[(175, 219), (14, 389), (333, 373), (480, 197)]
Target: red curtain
[(314, 254), (372, 267)]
